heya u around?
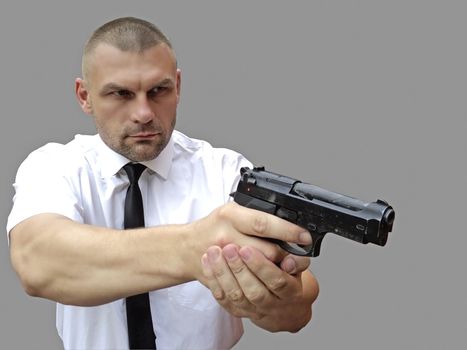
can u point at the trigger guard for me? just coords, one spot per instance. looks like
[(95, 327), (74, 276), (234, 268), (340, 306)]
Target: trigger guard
[(292, 250), (311, 250)]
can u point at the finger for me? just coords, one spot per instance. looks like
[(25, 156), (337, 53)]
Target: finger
[(293, 264), (257, 223), (211, 281), (278, 282), (271, 250), (233, 297), (254, 290)]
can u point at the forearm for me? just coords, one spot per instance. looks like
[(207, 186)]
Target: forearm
[(59, 259), (78, 264)]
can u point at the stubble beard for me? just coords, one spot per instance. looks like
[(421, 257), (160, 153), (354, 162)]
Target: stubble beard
[(140, 151)]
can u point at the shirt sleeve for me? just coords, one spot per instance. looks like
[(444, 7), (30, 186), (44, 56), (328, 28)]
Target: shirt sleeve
[(232, 163), (43, 185)]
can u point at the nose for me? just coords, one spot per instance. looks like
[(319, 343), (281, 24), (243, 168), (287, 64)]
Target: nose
[(142, 112)]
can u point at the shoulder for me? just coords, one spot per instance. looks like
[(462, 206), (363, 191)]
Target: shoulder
[(200, 160), (59, 157), (187, 147)]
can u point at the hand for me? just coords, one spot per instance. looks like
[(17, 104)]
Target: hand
[(247, 284), (232, 223)]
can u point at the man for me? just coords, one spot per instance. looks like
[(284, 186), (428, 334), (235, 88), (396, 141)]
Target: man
[(198, 256)]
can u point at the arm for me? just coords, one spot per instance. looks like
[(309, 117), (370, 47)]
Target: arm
[(59, 259), (72, 263)]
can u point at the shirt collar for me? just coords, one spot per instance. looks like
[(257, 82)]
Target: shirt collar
[(111, 162)]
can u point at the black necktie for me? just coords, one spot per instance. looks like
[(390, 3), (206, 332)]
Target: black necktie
[(140, 331)]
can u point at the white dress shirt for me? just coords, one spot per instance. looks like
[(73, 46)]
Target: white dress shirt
[(83, 180)]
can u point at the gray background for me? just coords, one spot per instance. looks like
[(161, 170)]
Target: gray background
[(366, 98)]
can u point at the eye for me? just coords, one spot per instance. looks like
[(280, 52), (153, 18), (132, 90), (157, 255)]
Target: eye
[(157, 91), (125, 94)]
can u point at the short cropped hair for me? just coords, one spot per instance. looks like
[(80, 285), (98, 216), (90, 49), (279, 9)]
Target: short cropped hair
[(127, 34)]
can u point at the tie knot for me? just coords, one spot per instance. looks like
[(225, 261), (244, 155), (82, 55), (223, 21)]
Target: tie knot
[(134, 171)]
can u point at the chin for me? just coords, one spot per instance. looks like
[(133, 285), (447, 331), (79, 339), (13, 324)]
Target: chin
[(144, 153)]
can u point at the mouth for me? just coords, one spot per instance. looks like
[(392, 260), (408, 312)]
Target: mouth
[(144, 136)]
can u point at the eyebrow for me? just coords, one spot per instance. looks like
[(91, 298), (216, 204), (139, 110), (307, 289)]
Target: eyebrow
[(164, 83), (111, 87), (116, 87)]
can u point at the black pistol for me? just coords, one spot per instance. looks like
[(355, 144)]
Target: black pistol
[(318, 210)]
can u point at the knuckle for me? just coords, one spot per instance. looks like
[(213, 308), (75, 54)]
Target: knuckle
[(224, 212), (277, 284), (260, 225), (218, 294), (219, 273), (236, 296), (222, 221), (222, 238), (238, 268), (256, 296)]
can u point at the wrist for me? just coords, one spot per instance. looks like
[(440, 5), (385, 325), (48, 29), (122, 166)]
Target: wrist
[(192, 249)]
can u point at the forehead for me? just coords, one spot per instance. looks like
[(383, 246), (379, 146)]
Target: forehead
[(108, 64)]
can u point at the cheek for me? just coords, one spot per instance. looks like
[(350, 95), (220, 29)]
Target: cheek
[(168, 113), (109, 115), (107, 127)]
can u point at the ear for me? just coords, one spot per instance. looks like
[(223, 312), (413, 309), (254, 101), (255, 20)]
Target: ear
[(83, 96), (179, 84)]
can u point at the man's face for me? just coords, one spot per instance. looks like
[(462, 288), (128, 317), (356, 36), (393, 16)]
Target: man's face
[(133, 98)]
